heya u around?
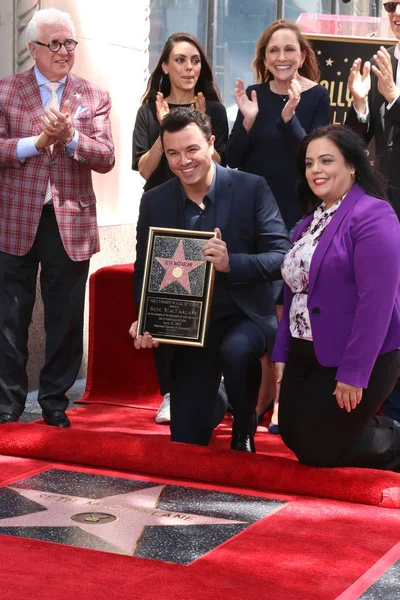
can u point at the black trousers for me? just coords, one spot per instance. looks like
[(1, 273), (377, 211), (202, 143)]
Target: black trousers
[(322, 434), (63, 284), (163, 356), (234, 346)]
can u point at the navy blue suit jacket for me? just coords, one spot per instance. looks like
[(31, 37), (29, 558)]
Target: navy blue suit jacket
[(252, 227)]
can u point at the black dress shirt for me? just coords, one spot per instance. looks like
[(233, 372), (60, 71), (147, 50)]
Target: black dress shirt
[(198, 219)]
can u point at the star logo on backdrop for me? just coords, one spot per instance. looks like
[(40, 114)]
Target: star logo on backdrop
[(339, 73), (178, 268), (131, 512), (329, 62), (319, 52), (346, 60)]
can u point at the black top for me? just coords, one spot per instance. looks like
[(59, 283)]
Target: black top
[(147, 130), (270, 147), (383, 126), (197, 219)]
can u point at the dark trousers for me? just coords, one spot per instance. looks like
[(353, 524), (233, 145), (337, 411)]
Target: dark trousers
[(322, 434), (163, 359), (63, 284), (391, 407), (234, 346)]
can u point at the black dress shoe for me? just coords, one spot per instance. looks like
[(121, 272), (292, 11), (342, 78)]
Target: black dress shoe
[(243, 442), (7, 418), (58, 418)]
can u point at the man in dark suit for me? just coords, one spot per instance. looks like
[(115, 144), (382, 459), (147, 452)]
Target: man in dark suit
[(243, 321), (376, 106), (54, 131), (375, 114)]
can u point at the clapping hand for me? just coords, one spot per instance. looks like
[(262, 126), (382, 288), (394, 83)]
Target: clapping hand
[(162, 107), (360, 84), (56, 125), (248, 107), (294, 93), (200, 102), (384, 72)]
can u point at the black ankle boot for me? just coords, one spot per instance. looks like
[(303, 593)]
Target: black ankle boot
[(243, 442)]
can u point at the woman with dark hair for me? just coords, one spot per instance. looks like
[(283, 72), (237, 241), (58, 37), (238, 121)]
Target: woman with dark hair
[(275, 114), (337, 350), (182, 77)]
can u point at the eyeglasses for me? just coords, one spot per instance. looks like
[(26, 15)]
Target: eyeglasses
[(390, 7), (55, 45)]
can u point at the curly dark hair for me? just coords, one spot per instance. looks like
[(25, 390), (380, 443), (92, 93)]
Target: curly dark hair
[(353, 149), (160, 82)]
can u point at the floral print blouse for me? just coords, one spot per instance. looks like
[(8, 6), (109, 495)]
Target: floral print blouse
[(296, 270)]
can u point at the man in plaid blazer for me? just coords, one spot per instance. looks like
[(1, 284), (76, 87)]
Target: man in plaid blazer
[(51, 138)]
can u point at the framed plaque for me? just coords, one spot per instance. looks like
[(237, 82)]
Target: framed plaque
[(177, 287)]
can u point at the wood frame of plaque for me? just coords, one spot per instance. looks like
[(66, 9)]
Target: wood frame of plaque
[(177, 287)]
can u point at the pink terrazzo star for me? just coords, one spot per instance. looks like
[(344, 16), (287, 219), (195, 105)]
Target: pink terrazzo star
[(178, 268), (134, 510)]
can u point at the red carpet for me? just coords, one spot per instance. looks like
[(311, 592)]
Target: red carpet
[(309, 550), (117, 373), (92, 442), (316, 547), (120, 375)]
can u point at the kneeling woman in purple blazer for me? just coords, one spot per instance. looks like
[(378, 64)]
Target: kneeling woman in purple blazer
[(337, 351)]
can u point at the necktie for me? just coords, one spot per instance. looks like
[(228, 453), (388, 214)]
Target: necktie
[(52, 102)]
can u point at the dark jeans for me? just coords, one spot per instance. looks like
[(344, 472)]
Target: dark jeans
[(322, 434), (234, 346), (62, 282)]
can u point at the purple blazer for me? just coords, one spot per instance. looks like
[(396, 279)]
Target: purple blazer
[(354, 289)]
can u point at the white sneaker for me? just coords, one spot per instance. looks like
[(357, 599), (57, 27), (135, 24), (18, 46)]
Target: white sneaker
[(164, 414)]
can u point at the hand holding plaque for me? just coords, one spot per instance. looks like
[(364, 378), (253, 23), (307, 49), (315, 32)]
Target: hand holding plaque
[(177, 287)]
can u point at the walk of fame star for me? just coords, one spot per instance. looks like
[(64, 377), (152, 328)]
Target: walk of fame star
[(138, 518), (178, 268), (132, 513)]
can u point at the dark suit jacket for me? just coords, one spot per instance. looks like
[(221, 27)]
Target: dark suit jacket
[(384, 127), (252, 227)]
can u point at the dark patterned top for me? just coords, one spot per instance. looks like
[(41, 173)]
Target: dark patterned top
[(296, 270)]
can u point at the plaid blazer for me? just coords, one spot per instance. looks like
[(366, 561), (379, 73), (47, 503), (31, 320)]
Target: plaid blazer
[(23, 184)]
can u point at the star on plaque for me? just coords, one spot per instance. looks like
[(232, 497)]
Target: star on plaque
[(346, 60), (319, 52), (339, 73), (178, 268), (329, 62)]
